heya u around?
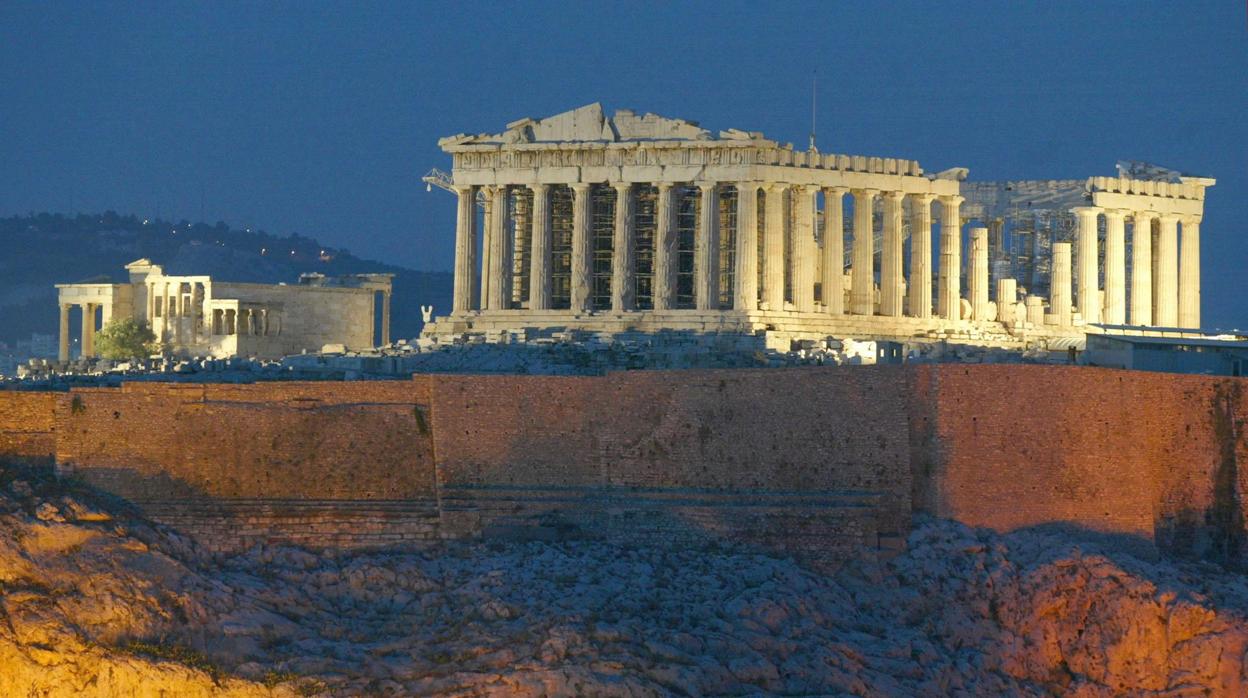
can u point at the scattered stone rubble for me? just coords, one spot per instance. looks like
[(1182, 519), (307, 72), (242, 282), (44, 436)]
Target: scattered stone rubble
[(94, 597), (568, 352)]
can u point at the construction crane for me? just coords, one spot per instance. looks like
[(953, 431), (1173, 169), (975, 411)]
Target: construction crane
[(442, 180)]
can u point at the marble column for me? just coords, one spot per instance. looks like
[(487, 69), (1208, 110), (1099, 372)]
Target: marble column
[(1115, 268), (623, 282), (977, 284), (803, 249), (1059, 285), (773, 247), (949, 281), (194, 313), (664, 248), (892, 283), (1168, 271), (745, 295), (921, 255), (581, 255), (1189, 273), (862, 283), (62, 350), (1007, 300), (833, 280), (88, 330), (487, 249), (539, 249), (500, 251), (385, 318), (1088, 296), (1142, 268), (706, 249)]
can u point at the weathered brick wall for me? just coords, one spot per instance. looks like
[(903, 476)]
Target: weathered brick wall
[(346, 441), (26, 425), (828, 433), (1121, 452), (796, 459)]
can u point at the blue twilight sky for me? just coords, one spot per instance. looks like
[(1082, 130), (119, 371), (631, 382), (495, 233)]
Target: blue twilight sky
[(320, 118)]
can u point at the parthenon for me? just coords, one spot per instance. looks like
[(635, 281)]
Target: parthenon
[(640, 222)]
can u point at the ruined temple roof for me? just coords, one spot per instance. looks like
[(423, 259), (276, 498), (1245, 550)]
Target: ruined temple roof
[(591, 124)]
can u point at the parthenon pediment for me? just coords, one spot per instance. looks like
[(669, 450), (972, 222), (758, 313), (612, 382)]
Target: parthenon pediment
[(590, 123)]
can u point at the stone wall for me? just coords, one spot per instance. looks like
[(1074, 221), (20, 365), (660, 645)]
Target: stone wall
[(1147, 455), (26, 425), (815, 461)]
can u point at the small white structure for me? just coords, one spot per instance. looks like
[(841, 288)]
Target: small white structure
[(200, 316)]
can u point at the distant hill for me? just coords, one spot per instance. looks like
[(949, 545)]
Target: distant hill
[(44, 249)]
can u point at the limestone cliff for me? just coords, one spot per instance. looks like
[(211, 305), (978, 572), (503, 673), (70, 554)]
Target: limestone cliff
[(96, 602)]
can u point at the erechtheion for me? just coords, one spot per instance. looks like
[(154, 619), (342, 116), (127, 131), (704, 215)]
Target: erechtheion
[(640, 222), (201, 316)]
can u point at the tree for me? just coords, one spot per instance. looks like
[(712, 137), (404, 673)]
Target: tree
[(125, 338)]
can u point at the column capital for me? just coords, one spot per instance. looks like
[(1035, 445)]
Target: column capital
[(923, 198), (579, 187), (838, 189), (776, 186), (749, 185), (1169, 217), (1143, 215), (1115, 213), (1086, 210), (951, 199), (894, 196), (664, 186), (707, 186), (865, 192), (1190, 220), (538, 186), (622, 187), (462, 189)]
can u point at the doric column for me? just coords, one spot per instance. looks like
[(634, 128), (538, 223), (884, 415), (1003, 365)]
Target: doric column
[(500, 251), (62, 349), (487, 249), (539, 249), (1142, 268), (88, 330), (803, 249), (385, 318), (746, 273), (465, 248), (921, 255), (706, 250), (773, 247), (1168, 271), (1088, 297), (949, 281), (833, 281), (1115, 268), (518, 238), (892, 286), (664, 248), (1189, 273), (581, 256), (862, 284), (623, 285), (1059, 285), (977, 285), (1007, 299)]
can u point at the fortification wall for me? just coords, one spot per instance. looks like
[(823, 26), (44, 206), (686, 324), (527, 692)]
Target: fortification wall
[(27, 425), (798, 460), (1147, 455), (793, 459)]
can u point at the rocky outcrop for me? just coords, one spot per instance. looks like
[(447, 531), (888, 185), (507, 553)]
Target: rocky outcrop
[(97, 602)]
